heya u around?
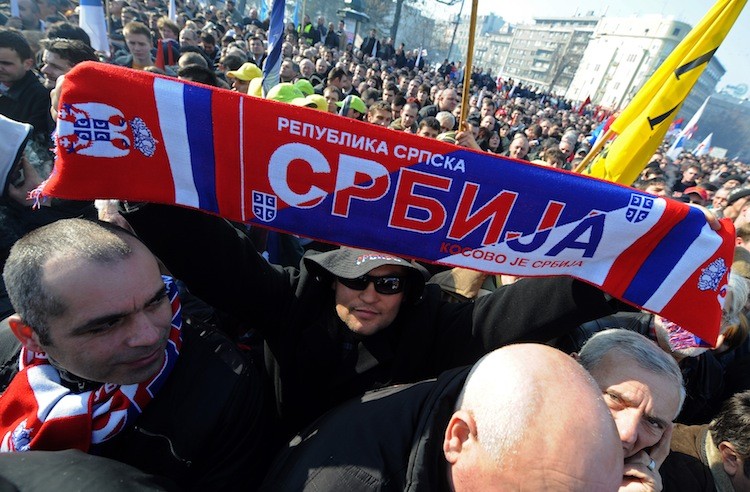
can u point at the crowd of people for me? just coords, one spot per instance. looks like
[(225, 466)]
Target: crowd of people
[(176, 350)]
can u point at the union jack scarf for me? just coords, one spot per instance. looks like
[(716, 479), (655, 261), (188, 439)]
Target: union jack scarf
[(38, 413)]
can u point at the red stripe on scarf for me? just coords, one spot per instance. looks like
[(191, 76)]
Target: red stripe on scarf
[(38, 413), (625, 267)]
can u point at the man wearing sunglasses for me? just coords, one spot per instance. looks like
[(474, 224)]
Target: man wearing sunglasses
[(348, 321)]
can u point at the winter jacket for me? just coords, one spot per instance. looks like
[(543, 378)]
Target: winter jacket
[(316, 362), (388, 440), (208, 428)]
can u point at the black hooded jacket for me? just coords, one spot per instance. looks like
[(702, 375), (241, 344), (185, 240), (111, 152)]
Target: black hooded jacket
[(316, 362), (390, 439)]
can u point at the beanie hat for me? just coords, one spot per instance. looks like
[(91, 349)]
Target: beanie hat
[(738, 193), (15, 136)]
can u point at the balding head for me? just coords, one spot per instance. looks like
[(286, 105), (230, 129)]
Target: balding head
[(518, 422), (448, 100)]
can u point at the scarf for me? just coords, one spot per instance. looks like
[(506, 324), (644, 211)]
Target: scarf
[(37, 412), (321, 176)]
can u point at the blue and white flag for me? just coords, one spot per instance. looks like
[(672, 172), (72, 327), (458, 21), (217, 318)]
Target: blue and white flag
[(14, 8), (704, 147), (91, 20), (296, 15), (678, 146), (263, 9), (172, 11), (272, 65)]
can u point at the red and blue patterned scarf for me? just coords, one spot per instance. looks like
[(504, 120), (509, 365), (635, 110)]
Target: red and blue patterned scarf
[(37, 412), (330, 178)]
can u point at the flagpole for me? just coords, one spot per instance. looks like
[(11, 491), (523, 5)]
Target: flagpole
[(302, 22), (468, 65), (598, 146), (106, 17)]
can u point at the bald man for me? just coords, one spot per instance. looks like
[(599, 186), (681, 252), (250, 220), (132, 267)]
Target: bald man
[(467, 430)]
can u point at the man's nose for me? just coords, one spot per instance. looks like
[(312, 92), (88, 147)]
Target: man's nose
[(627, 426), (143, 331), (369, 294)]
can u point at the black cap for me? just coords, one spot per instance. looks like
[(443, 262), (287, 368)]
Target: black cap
[(738, 193), (351, 263)]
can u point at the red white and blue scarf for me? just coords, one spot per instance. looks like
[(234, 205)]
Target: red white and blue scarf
[(37, 412), (335, 179)]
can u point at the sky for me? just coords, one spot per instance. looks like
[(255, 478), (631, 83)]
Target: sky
[(734, 53)]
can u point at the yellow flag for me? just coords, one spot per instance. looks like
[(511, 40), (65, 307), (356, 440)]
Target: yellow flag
[(641, 126)]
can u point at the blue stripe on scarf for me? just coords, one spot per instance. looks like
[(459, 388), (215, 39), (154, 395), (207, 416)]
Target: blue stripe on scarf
[(664, 258), (201, 140)]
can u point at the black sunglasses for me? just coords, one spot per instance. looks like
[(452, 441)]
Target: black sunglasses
[(383, 285)]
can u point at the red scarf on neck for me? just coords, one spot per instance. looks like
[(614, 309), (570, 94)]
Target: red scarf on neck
[(37, 412)]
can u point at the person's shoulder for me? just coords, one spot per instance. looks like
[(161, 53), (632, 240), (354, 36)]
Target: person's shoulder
[(681, 471), (429, 110), (124, 60), (10, 348), (207, 343), (30, 84), (339, 445)]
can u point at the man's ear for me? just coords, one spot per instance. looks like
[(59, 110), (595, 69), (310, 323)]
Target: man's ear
[(730, 458), (460, 431), (25, 334), (27, 64)]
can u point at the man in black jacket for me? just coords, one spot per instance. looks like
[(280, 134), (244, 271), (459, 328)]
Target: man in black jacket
[(370, 45), (350, 321), (108, 366), (22, 97), (511, 423)]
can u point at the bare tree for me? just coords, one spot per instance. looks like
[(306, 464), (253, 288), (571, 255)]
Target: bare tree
[(379, 11)]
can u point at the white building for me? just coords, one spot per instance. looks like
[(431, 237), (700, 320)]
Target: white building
[(547, 54), (621, 55)]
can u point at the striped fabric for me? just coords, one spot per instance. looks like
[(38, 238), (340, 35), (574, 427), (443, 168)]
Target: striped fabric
[(272, 65), (38, 413), (343, 181), (91, 20)]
